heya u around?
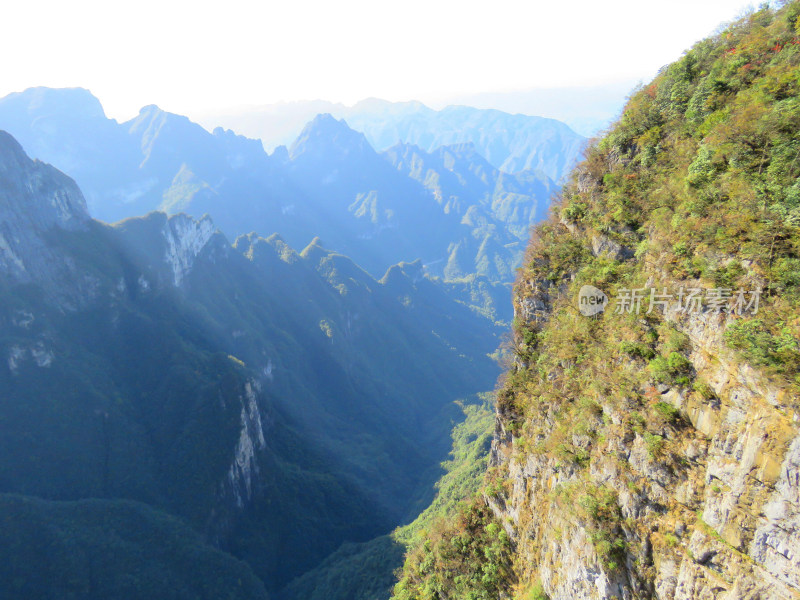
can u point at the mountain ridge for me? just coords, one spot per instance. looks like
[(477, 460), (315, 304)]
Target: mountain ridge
[(331, 183), (169, 367), (511, 142)]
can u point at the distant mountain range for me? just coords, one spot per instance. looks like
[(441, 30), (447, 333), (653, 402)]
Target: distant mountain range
[(235, 400), (509, 142), (449, 207), (269, 403)]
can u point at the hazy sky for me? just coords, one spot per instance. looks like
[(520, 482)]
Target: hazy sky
[(195, 56)]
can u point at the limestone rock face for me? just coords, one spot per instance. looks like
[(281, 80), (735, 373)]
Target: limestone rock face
[(652, 450), (185, 239), (722, 523), (38, 204), (35, 199)]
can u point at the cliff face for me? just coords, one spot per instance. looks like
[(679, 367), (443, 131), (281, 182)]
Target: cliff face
[(35, 198), (648, 429), (651, 450), (714, 513), (49, 243)]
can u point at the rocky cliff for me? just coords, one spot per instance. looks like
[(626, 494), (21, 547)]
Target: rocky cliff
[(663, 492), (42, 216), (648, 428), (651, 450), (35, 198)]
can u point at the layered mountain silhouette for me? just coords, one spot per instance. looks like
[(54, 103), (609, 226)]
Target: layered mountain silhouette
[(510, 142), (450, 207), (260, 402)]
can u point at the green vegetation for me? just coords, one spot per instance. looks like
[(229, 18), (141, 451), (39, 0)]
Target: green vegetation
[(100, 549), (599, 511), (468, 556), (142, 390), (694, 187), (537, 593), (702, 167), (666, 411), (772, 344), (367, 571), (674, 368)]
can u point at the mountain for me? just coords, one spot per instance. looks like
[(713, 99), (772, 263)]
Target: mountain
[(368, 570), (510, 142), (156, 160), (647, 444), (587, 110), (380, 208), (34, 197), (465, 219), (465, 184), (263, 403)]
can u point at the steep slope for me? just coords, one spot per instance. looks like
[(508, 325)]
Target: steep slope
[(69, 129), (367, 571), (156, 160), (452, 213), (261, 395), (34, 198), (371, 209), (460, 178), (649, 448), (498, 209)]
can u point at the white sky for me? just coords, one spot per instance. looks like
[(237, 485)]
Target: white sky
[(196, 56)]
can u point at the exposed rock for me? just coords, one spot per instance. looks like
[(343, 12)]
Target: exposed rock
[(724, 523), (244, 469), (42, 356), (602, 244), (185, 239), (35, 199), (776, 543)]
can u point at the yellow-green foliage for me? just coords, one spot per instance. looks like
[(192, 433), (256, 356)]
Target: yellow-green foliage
[(463, 472), (468, 557), (698, 185), (700, 180), (597, 509)]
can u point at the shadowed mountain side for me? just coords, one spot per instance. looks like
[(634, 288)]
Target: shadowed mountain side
[(280, 403), (100, 549)]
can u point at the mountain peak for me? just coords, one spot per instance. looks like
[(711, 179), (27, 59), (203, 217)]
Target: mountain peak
[(326, 120), (325, 135), (44, 101), (11, 153), (313, 246), (35, 198), (151, 110), (153, 114), (37, 190)]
